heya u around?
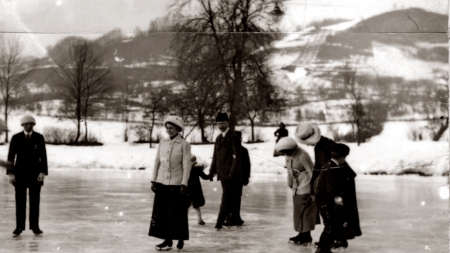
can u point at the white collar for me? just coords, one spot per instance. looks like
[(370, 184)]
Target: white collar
[(225, 133), (25, 132), (334, 160)]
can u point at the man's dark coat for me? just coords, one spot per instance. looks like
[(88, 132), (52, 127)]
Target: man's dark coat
[(339, 181), (226, 156), (29, 158), (225, 164)]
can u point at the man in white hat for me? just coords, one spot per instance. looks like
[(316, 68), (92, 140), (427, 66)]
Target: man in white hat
[(28, 154)]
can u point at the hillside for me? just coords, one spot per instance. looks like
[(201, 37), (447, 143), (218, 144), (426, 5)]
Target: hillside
[(383, 51), (403, 50)]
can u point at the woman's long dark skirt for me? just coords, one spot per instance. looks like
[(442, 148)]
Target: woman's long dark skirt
[(170, 214)]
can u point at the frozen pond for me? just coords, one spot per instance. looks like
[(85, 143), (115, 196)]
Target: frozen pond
[(109, 211)]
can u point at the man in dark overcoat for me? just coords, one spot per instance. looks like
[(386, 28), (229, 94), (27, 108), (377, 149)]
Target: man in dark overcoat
[(241, 180), (225, 165), (336, 199), (309, 134), (28, 155)]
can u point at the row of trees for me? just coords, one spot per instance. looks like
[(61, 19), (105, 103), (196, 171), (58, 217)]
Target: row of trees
[(13, 71)]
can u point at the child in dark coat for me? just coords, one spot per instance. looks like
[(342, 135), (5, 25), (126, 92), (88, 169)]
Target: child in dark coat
[(195, 192), (336, 199)]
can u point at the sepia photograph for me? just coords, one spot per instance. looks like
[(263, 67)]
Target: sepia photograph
[(311, 126)]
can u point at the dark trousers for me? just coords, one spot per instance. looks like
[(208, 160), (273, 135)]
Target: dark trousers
[(332, 228), (235, 214), (34, 193), (231, 201), (326, 238)]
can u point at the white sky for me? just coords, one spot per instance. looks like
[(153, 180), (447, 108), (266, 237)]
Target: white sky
[(41, 23)]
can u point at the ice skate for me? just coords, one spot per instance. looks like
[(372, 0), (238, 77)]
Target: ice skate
[(165, 246), (294, 240), (339, 246), (37, 231), (304, 242), (17, 231), (305, 239), (180, 245), (321, 250)]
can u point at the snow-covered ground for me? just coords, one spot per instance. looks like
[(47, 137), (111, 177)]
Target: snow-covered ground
[(391, 151)]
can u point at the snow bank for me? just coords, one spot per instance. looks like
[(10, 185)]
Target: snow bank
[(391, 151)]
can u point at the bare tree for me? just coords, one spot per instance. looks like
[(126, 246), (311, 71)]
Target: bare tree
[(370, 98), (82, 79), (258, 99), (200, 96), (155, 105), (13, 71), (179, 104), (233, 33)]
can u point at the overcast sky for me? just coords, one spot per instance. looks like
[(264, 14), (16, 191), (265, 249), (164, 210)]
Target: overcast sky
[(41, 23)]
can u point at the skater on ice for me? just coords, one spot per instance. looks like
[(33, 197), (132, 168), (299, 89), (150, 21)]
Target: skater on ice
[(195, 192), (28, 155), (225, 165), (336, 199), (300, 168), (309, 134), (280, 133), (242, 179), (169, 183)]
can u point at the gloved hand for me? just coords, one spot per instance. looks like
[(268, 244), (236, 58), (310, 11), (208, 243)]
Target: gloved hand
[(12, 178), (183, 189), (211, 177), (338, 201), (153, 187), (41, 177)]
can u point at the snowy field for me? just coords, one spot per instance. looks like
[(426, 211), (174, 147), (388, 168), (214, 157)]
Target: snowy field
[(391, 151)]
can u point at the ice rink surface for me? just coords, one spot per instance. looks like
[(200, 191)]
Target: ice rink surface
[(109, 211)]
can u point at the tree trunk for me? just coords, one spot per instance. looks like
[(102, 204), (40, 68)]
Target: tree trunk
[(441, 131), (201, 125), (150, 137), (252, 124), (358, 131), (86, 129), (78, 115), (85, 120), (151, 127), (6, 121)]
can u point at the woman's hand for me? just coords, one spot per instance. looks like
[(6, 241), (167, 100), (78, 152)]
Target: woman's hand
[(183, 189), (153, 187)]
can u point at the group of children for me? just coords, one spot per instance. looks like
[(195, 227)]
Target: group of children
[(325, 187)]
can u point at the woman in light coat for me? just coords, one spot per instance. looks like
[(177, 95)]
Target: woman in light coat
[(169, 183), (300, 170)]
